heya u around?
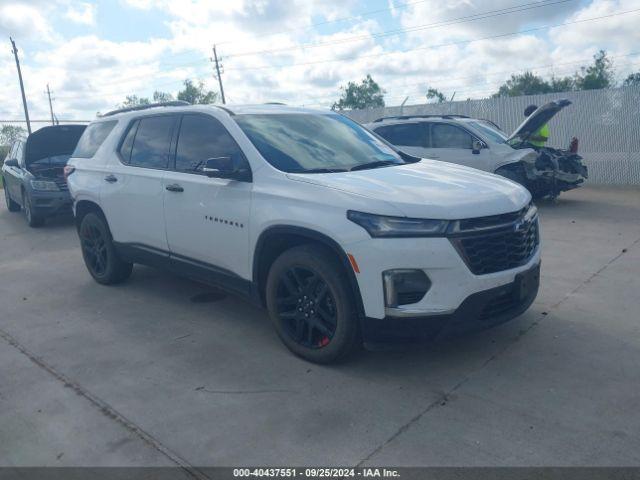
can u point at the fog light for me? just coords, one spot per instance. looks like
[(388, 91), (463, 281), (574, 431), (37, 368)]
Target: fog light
[(404, 286)]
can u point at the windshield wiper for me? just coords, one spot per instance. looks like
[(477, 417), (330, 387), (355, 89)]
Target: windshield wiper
[(376, 164), (322, 170)]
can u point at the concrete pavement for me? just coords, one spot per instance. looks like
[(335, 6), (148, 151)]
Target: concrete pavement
[(146, 373)]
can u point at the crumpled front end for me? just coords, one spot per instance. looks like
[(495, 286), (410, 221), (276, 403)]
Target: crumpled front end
[(554, 171)]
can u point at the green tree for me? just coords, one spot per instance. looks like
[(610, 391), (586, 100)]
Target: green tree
[(563, 84), (598, 75), (633, 80), (196, 94), (523, 84), (134, 101), (9, 133), (367, 94), (162, 97), (437, 95)]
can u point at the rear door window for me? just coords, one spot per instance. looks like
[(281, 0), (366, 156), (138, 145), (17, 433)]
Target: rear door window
[(407, 134), (444, 135), (203, 137), (92, 138), (151, 143), (127, 143)]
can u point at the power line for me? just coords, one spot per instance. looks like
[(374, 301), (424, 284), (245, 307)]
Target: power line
[(465, 19), (400, 31), (431, 47)]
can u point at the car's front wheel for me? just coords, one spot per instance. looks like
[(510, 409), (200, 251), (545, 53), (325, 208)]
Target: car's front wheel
[(311, 304), (100, 256), (11, 205), (33, 219)]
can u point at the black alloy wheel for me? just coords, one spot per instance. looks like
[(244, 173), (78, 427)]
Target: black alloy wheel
[(11, 205), (100, 256), (306, 307), (311, 304), (32, 219), (94, 248)]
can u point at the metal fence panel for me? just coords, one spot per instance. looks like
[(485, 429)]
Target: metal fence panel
[(607, 123)]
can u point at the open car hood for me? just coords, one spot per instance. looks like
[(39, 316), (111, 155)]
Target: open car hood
[(536, 120), (52, 141)]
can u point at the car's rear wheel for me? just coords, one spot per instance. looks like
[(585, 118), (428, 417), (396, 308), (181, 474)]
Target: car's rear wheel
[(310, 303), (33, 220), (100, 257), (11, 205)]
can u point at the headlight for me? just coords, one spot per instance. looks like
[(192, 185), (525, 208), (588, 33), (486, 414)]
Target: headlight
[(383, 226), (44, 186)]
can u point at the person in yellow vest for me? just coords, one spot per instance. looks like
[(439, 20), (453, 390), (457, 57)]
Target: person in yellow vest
[(539, 137)]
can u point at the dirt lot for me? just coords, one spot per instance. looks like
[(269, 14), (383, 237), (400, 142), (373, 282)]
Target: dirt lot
[(153, 372)]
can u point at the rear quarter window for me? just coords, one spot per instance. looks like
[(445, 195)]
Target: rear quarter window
[(92, 138)]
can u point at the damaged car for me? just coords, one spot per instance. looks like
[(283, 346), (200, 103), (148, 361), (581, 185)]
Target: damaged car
[(481, 144), (33, 172)]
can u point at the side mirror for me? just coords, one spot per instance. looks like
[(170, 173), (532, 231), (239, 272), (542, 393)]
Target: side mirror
[(223, 167), (476, 146), (12, 162)]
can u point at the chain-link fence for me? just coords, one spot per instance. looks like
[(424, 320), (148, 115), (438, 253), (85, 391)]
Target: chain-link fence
[(607, 123)]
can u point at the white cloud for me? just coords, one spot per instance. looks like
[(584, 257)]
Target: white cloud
[(24, 20), (89, 73), (83, 13)]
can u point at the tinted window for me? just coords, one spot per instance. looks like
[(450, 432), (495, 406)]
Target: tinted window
[(203, 137), (408, 135), (301, 142), (127, 144), (151, 143), (92, 138), (444, 135)]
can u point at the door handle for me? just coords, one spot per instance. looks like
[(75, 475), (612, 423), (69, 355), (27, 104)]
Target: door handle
[(174, 187), (111, 179)]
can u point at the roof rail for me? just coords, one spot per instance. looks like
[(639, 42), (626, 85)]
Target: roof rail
[(174, 103), (274, 103), (407, 117)]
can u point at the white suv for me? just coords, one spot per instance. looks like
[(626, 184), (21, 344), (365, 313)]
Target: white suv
[(340, 236)]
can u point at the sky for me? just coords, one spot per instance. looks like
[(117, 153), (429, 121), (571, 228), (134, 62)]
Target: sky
[(300, 52)]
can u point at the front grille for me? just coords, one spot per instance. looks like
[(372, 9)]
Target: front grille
[(62, 184), (503, 248)]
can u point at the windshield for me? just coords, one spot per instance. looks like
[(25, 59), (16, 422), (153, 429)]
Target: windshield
[(315, 143), (489, 130)]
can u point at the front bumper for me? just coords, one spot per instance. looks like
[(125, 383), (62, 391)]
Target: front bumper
[(50, 203), (477, 312), (452, 280)]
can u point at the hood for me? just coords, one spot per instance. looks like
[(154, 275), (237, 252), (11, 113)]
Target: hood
[(52, 141), (429, 189), (537, 119)]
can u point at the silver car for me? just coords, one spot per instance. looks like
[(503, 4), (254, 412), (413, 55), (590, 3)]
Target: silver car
[(483, 145)]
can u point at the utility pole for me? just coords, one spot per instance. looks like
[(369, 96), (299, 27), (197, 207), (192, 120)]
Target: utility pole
[(53, 122), (215, 59), (24, 98)]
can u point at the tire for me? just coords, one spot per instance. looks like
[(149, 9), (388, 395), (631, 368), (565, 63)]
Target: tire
[(11, 205), (311, 304), (33, 220), (100, 256)]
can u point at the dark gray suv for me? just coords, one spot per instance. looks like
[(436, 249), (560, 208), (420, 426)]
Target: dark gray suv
[(33, 172)]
